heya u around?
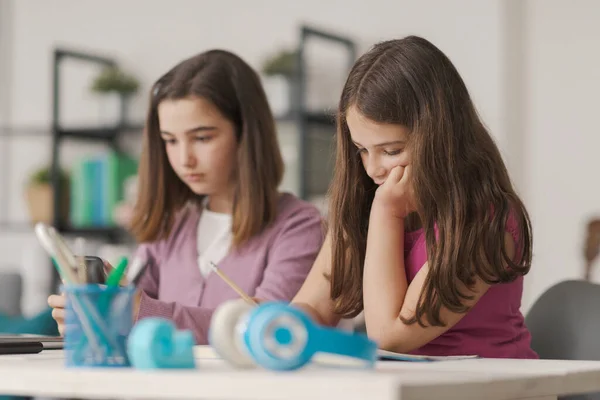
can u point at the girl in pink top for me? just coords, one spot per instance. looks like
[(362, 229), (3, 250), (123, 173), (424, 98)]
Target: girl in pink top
[(426, 233), (209, 176)]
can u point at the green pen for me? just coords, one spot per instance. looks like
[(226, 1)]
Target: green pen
[(115, 276), (112, 281)]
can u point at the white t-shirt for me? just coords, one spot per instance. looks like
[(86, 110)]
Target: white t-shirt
[(213, 238)]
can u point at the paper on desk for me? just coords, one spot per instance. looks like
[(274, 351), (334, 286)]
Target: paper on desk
[(205, 352), (390, 355)]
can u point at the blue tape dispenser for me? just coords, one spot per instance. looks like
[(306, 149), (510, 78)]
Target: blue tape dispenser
[(278, 336), (154, 343)]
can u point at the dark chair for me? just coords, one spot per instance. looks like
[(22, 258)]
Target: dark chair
[(565, 324)]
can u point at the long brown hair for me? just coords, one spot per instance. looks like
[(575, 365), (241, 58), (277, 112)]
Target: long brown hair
[(234, 88), (461, 185)]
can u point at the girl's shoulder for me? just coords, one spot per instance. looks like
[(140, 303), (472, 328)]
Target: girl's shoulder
[(184, 226), (295, 214), (516, 231), (290, 205), (296, 219), (512, 225)]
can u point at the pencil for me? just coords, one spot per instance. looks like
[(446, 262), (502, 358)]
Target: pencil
[(232, 285)]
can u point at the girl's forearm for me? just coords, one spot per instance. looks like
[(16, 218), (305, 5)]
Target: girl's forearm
[(384, 280), (311, 312)]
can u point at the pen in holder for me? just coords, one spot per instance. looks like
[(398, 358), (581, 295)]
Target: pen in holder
[(98, 321)]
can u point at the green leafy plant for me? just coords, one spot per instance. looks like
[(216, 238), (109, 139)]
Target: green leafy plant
[(44, 176), (282, 63), (113, 79)]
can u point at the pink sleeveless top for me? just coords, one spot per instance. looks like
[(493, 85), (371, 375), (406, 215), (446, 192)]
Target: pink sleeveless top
[(493, 328)]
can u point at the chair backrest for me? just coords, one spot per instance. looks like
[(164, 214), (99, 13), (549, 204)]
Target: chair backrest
[(565, 325), (565, 322)]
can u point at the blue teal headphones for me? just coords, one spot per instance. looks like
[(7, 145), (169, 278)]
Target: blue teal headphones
[(278, 336), (155, 343), (275, 336)]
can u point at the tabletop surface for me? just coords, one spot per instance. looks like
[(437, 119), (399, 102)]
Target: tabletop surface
[(44, 374)]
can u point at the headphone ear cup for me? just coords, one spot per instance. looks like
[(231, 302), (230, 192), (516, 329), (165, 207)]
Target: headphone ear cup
[(223, 332), (156, 343), (277, 337), (150, 343)]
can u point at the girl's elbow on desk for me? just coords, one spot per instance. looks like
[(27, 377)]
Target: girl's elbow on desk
[(394, 337), (312, 312), (394, 345)]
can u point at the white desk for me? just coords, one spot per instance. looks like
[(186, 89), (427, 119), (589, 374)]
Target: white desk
[(44, 375)]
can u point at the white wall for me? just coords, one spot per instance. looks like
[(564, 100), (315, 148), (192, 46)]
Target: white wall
[(6, 41), (532, 67), (563, 137), (148, 37)]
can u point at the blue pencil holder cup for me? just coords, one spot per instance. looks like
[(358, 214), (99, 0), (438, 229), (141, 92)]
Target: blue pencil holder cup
[(98, 320)]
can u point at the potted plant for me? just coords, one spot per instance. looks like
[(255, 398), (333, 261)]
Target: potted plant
[(116, 88), (40, 196), (280, 72)]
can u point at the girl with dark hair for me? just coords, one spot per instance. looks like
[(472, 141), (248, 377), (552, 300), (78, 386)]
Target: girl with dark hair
[(426, 233)]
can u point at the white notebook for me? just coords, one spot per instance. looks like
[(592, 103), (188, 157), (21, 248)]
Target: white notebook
[(206, 352), (391, 356)]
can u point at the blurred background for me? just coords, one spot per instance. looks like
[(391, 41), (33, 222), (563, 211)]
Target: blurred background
[(75, 77)]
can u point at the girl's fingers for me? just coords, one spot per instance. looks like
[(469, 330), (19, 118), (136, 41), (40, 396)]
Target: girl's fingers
[(57, 301), (406, 174), (395, 175), (58, 314)]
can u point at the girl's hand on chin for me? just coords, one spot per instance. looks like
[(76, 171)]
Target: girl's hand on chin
[(395, 195)]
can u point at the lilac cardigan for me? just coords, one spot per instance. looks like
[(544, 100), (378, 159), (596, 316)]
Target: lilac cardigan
[(272, 265)]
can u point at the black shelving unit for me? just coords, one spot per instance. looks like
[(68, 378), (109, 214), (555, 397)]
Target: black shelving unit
[(103, 134), (304, 118), (108, 135)]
